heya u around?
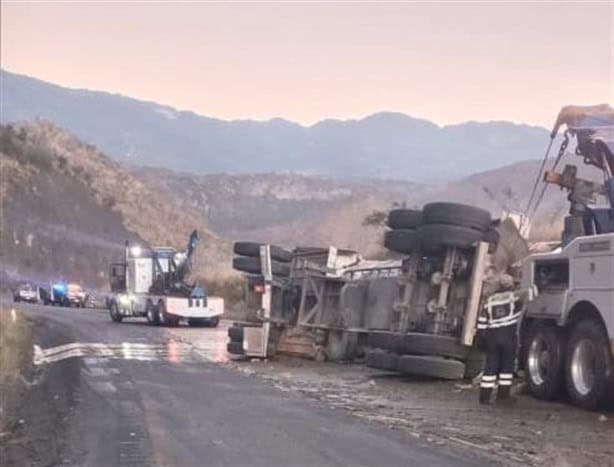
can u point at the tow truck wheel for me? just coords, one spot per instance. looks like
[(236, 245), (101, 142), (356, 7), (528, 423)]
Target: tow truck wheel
[(164, 319), (151, 312), (213, 322), (543, 361), (116, 316), (589, 365)]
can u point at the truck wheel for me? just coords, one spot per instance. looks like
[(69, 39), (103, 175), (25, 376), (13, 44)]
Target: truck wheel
[(456, 214), (435, 237), (213, 322), (252, 249), (588, 368), (382, 360), (252, 266), (116, 316), (434, 367), (404, 218), (235, 333), (152, 314), (235, 348), (164, 318), (543, 361), (402, 241), (418, 343)]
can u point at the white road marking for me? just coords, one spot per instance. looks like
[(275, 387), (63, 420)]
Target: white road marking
[(97, 353)]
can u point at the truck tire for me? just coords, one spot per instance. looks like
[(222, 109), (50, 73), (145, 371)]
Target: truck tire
[(402, 241), (543, 361), (252, 250), (434, 367), (436, 237), (382, 360), (164, 318), (235, 348), (418, 344), (116, 316), (151, 312), (213, 322), (252, 266), (404, 218), (456, 214), (235, 333), (589, 366)]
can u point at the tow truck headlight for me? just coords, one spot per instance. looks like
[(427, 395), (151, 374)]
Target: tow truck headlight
[(135, 251), (124, 300)]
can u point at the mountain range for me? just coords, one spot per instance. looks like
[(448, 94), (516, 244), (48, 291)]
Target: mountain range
[(382, 145)]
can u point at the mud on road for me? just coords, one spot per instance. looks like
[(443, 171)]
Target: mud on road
[(448, 414)]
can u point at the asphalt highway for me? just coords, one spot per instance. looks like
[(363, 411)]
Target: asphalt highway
[(166, 397)]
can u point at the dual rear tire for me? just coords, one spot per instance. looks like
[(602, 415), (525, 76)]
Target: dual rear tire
[(579, 362), (436, 227), (157, 315)]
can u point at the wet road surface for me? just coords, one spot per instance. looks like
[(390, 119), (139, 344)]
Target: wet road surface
[(164, 396)]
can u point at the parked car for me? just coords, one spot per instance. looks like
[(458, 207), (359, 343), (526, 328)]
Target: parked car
[(26, 293)]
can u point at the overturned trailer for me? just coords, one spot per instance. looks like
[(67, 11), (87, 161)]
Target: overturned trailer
[(415, 314)]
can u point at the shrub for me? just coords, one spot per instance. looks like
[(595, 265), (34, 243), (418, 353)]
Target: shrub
[(232, 289)]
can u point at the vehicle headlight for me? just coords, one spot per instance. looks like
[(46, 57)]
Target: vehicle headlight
[(124, 300)]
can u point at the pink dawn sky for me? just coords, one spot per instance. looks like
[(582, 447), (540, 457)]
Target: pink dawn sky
[(444, 61)]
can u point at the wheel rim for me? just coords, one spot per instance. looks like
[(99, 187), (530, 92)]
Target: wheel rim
[(539, 360), (583, 367), (150, 317)]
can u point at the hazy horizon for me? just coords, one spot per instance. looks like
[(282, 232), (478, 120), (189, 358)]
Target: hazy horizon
[(445, 62)]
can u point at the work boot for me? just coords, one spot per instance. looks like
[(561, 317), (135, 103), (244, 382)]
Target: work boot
[(485, 394), (504, 395)]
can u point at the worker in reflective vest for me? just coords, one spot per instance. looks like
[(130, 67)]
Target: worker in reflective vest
[(497, 336)]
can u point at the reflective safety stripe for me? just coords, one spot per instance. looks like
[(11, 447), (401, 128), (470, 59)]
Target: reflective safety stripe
[(505, 382), (489, 377), (510, 317), (503, 325), (488, 385), (506, 376), (508, 321), (482, 326)]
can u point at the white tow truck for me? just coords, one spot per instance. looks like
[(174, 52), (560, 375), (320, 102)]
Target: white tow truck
[(150, 283), (568, 330)]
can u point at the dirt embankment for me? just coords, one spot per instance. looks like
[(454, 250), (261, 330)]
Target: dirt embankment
[(35, 404)]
